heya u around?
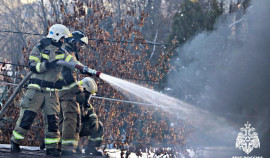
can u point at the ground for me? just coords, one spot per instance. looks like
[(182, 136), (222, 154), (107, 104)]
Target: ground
[(35, 152), (32, 152)]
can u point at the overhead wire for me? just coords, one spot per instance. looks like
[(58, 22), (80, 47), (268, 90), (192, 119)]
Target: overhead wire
[(93, 39), (11, 76), (13, 64), (119, 100), (8, 83), (95, 97), (27, 66), (19, 32)]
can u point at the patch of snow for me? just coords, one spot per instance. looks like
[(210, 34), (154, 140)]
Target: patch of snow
[(114, 153), (168, 89), (32, 148)]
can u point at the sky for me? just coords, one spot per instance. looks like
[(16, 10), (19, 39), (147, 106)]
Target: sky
[(28, 1)]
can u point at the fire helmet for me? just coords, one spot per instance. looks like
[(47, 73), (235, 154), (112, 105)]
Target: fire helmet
[(89, 85), (58, 31), (79, 36)]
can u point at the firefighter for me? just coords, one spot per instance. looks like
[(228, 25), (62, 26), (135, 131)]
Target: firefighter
[(70, 118), (42, 90), (91, 126)]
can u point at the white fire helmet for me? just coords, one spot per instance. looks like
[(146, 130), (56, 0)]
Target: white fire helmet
[(89, 85), (58, 31)]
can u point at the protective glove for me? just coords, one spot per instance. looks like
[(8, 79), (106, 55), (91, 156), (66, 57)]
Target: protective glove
[(89, 124), (88, 71), (93, 120), (80, 98), (85, 70), (51, 64), (87, 105)]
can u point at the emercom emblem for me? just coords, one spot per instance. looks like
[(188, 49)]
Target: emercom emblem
[(247, 139)]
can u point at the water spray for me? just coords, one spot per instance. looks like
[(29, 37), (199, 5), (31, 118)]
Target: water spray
[(199, 118), (203, 120)]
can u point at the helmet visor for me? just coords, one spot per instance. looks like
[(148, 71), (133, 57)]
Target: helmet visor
[(84, 40)]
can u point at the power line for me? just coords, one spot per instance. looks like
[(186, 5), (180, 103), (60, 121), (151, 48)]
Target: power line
[(93, 39), (12, 64), (18, 32), (8, 83), (11, 76), (95, 97), (116, 41), (119, 100), (122, 78)]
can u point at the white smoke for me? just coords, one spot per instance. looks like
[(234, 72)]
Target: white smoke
[(226, 71)]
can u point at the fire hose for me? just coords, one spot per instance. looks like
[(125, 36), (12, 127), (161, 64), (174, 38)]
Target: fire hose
[(82, 68), (16, 91)]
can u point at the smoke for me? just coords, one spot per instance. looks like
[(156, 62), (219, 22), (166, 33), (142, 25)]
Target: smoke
[(227, 71)]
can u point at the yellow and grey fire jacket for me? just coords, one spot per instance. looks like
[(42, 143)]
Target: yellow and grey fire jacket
[(45, 78), (69, 77)]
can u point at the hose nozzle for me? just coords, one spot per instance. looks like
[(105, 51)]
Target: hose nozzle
[(92, 72), (86, 70), (82, 68), (98, 74)]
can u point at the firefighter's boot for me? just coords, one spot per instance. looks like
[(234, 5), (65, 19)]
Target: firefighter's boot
[(67, 153), (78, 150), (15, 148), (93, 151), (53, 152)]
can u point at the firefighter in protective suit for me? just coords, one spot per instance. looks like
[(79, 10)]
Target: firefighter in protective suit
[(42, 90), (70, 118), (91, 126)]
